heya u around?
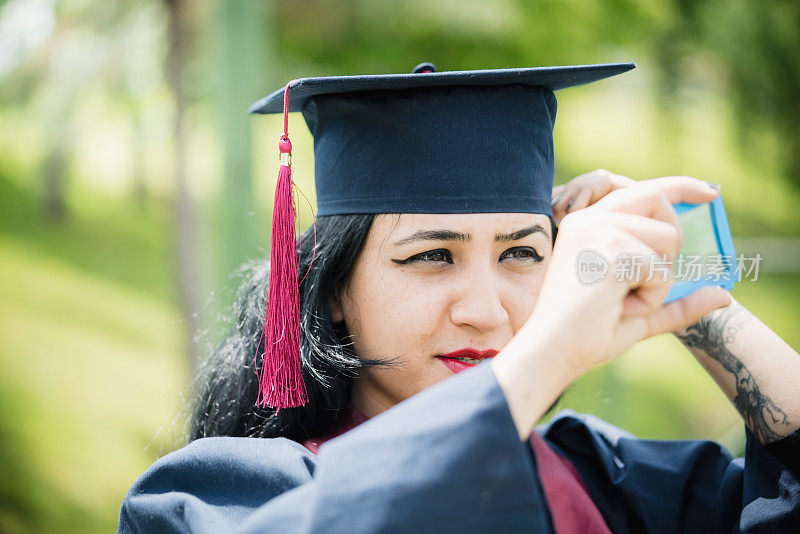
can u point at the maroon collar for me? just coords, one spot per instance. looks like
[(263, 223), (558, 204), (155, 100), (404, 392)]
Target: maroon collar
[(349, 418)]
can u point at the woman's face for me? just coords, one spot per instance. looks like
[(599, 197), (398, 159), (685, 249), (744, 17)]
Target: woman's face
[(427, 285)]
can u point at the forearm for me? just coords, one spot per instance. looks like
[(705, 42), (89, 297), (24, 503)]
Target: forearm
[(755, 368), (532, 376)]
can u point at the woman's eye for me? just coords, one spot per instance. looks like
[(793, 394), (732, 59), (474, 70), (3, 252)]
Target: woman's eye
[(432, 256), (527, 254), (522, 253)]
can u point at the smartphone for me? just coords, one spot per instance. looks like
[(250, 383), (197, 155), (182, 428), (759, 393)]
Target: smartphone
[(707, 256)]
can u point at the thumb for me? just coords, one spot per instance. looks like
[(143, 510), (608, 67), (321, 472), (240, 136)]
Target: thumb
[(688, 310)]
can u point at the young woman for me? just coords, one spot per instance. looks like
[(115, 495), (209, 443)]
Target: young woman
[(438, 324)]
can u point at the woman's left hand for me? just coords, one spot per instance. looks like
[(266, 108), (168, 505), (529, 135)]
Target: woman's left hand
[(584, 190)]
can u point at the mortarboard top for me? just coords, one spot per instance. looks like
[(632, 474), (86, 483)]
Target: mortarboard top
[(478, 141), (434, 142), (551, 78)]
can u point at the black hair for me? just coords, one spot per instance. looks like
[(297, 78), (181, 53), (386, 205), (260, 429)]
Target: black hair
[(226, 388)]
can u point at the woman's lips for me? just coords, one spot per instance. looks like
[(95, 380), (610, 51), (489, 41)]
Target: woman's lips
[(457, 366)]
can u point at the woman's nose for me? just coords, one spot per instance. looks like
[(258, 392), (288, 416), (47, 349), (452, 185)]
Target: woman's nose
[(478, 302)]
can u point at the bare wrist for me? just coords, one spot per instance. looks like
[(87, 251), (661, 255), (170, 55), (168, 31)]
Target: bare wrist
[(532, 378)]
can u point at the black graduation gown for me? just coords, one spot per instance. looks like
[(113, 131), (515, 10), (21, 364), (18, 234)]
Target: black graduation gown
[(449, 460)]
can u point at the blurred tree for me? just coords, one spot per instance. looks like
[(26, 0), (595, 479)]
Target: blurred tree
[(185, 223), (54, 165), (242, 34), (55, 54), (139, 154), (392, 36), (136, 75), (758, 43), (754, 49)]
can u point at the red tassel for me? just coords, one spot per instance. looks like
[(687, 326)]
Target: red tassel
[(281, 381)]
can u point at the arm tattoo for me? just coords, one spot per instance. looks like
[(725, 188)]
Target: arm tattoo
[(713, 334)]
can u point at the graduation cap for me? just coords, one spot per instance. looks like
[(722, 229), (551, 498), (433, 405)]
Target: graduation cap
[(477, 141)]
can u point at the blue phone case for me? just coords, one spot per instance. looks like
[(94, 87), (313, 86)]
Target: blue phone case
[(724, 241)]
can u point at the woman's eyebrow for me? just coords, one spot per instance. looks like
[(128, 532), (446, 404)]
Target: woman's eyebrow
[(434, 235), (522, 232), (452, 235)]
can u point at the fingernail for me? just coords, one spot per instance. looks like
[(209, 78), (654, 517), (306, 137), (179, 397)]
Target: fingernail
[(555, 200), (714, 186)]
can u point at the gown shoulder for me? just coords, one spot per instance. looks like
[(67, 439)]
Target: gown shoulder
[(649, 485), (449, 459)]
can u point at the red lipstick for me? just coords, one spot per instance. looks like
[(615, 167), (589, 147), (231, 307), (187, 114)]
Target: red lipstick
[(457, 366)]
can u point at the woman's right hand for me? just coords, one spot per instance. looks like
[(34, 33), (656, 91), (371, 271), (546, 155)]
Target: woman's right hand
[(577, 325)]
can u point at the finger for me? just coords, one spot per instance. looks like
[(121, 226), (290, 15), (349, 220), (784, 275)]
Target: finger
[(597, 179), (686, 311), (641, 200), (586, 189), (648, 297), (564, 196), (683, 178), (652, 235), (654, 198), (560, 208), (684, 189), (619, 181), (655, 281), (581, 200), (557, 190), (643, 258), (674, 189), (606, 183), (556, 196)]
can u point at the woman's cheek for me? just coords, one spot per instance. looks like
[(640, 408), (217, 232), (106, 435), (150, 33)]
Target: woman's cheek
[(522, 301), (425, 299)]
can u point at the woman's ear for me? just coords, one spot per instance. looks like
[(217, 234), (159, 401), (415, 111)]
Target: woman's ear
[(337, 315)]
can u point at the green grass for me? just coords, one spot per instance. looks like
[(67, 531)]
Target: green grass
[(90, 362)]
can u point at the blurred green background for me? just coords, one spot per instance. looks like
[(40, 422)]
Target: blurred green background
[(132, 183)]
